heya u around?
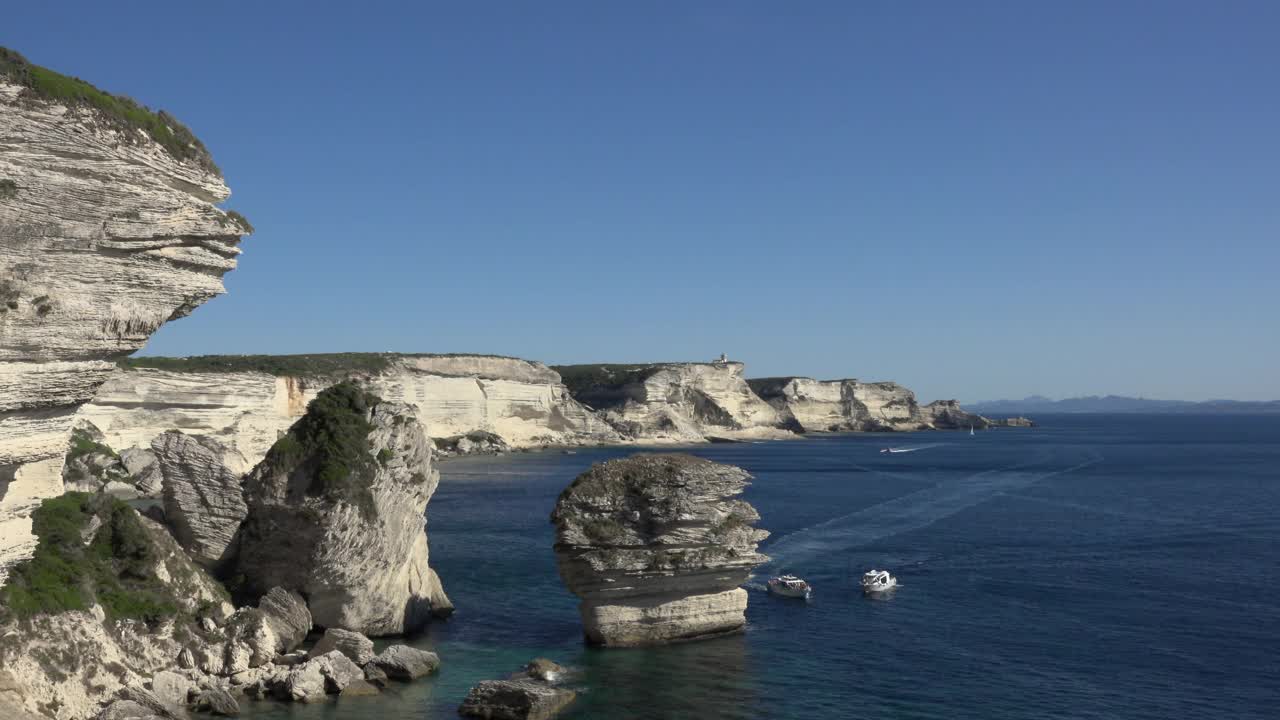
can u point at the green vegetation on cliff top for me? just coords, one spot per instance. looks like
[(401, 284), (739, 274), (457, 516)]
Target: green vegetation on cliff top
[(330, 445), (120, 111), (114, 569), (584, 378), (320, 364)]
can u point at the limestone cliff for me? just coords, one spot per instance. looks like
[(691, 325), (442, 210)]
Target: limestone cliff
[(674, 402), (109, 227), (656, 546), (336, 513), (809, 405), (247, 402)]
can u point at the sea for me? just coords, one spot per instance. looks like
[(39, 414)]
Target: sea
[(1095, 566)]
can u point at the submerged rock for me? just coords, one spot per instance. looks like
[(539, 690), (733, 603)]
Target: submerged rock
[(203, 500), (515, 700), (336, 513), (656, 546)]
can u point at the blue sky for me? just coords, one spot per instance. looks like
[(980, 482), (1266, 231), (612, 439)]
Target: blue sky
[(978, 199)]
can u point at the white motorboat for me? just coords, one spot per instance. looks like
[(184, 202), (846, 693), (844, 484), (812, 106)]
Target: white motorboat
[(790, 586), (878, 581)]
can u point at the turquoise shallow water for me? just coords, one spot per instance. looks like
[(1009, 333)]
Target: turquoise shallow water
[(1095, 567)]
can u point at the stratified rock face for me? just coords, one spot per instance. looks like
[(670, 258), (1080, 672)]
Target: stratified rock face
[(811, 405), (521, 403), (656, 546), (948, 415), (203, 499), (674, 402), (336, 512), (105, 234)]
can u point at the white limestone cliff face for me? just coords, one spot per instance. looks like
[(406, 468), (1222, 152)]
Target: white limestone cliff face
[(810, 405), (104, 236), (522, 402), (675, 402)]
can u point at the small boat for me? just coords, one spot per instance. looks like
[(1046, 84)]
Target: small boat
[(790, 586), (896, 450), (878, 581), (970, 431)]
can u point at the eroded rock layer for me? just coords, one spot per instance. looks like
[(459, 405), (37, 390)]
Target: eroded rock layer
[(809, 405), (656, 547), (675, 402), (455, 398), (106, 233)]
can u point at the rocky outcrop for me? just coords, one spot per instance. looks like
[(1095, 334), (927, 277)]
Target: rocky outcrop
[(809, 405), (674, 402), (1014, 422), (656, 546), (203, 499), (948, 415), (515, 700), (90, 464), (336, 513), (531, 694), (469, 403), (109, 227), (107, 601)]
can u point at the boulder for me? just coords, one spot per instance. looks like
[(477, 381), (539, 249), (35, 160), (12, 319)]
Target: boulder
[(152, 703), (355, 646), (304, 683), (336, 513), (217, 701), (360, 688), (141, 465), (203, 501), (129, 710), (287, 614), (401, 662), (515, 700), (656, 547), (251, 641), (171, 689), (544, 670), (374, 675)]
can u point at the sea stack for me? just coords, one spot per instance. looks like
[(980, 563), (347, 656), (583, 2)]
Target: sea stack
[(336, 513), (656, 546)]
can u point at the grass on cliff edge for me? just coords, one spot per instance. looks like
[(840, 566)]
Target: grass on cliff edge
[(584, 378), (330, 444), (120, 111), (319, 364), (113, 570)]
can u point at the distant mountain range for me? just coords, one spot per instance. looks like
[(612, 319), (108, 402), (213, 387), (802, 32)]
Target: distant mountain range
[(1120, 404)]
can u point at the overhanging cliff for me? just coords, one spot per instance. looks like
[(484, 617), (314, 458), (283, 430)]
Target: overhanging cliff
[(109, 227)]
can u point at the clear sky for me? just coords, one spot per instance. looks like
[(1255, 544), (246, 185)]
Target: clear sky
[(977, 199)]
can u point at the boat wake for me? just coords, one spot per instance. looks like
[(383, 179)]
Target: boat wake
[(909, 512), (912, 448)]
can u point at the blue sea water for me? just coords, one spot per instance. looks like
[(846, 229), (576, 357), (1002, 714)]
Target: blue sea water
[(1093, 567)]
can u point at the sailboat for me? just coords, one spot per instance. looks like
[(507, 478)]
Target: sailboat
[(970, 431)]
